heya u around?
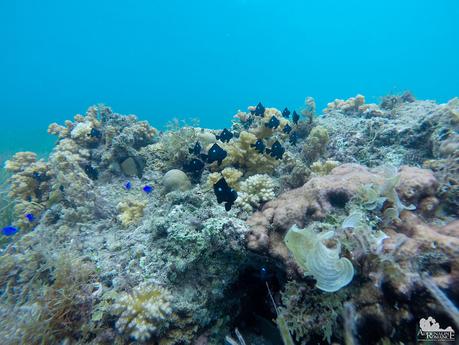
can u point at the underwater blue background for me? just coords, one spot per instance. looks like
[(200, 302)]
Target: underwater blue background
[(207, 59)]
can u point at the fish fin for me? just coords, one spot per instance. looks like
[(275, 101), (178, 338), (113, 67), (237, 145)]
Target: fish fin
[(227, 206)]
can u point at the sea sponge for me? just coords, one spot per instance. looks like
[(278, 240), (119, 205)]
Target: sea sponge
[(315, 258), (176, 180), (144, 312), (131, 210), (242, 154), (254, 191)]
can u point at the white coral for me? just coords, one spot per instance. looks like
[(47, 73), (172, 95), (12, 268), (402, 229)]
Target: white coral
[(254, 191)]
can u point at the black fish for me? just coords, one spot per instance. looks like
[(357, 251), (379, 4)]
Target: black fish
[(194, 166), (92, 172), (259, 110), (293, 138), (259, 146), (273, 122), (276, 150), (225, 136), (225, 194), (215, 154), (286, 113), (39, 177), (196, 149), (295, 117), (287, 129), (95, 133)]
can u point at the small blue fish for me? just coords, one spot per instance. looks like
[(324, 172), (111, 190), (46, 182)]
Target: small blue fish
[(9, 230), (128, 185), (148, 189), (30, 217)]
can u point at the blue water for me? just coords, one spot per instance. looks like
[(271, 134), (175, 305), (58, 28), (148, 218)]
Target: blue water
[(207, 59)]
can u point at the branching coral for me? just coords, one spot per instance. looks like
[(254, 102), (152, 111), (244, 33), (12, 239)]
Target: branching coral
[(354, 105), (254, 191), (29, 186), (317, 259), (242, 154), (231, 176), (144, 312), (323, 168)]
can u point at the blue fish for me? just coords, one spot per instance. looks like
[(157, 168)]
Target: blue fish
[(9, 230), (148, 189), (128, 185), (30, 217)]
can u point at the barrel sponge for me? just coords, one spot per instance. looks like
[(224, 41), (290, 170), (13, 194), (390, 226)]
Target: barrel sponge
[(317, 259), (176, 179), (144, 312)]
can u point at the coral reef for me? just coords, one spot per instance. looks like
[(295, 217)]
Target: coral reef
[(343, 223)]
